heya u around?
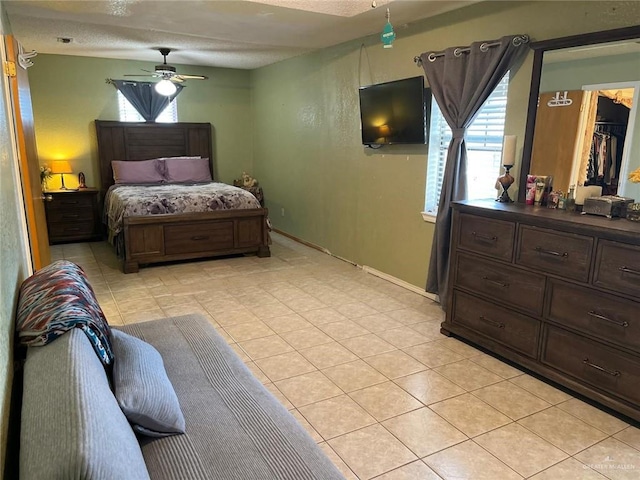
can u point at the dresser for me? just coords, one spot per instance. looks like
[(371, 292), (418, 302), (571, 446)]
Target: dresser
[(72, 215), (554, 291)]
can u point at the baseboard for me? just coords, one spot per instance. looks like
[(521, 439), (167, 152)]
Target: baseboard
[(400, 283), (303, 242), (372, 271)]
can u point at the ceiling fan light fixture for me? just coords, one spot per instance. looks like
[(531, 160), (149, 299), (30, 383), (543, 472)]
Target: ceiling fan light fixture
[(166, 87)]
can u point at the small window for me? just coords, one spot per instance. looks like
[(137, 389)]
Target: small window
[(484, 148), (130, 114)]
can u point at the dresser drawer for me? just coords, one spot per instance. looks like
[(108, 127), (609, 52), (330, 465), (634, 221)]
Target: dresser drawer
[(487, 236), (591, 362), (198, 237), (618, 267), (70, 201), (70, 216), (604, 316), (564, 254), (510, 285), (513, 330), (60, 231)]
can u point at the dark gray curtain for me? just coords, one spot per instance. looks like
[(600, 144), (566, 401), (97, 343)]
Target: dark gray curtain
[(461, 82), (144, 98)]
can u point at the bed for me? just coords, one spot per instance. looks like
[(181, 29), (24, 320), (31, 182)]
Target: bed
[(164, 237)]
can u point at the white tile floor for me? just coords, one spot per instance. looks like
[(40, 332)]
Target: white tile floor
[(361, 364)]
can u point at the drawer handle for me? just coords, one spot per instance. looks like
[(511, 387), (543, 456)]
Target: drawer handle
[(594, 314), (629, 270), (551, 252), (495, 282), (613, 373), (200, 237), (484, 238), (491, 322)]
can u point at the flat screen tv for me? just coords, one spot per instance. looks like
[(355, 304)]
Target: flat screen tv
[(395, 112)]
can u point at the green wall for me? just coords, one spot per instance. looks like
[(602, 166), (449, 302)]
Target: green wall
[(70, 92), (14, 258), (361, 204)]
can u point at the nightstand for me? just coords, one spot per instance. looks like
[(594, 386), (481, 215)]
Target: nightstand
[(72, 215)]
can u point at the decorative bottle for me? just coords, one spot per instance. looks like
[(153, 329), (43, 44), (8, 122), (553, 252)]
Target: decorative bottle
[(570, 202)]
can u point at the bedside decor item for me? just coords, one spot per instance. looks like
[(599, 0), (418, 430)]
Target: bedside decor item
[(61, 167), (250, 184), (245, 181), (45, 174), (81, 180)]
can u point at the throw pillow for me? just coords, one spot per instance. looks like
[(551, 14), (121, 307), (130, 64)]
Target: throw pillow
[(142, 171), (187, 170), (142, 388)]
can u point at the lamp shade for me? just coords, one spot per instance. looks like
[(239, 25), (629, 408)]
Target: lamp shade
[(61, 166), (166, 87)]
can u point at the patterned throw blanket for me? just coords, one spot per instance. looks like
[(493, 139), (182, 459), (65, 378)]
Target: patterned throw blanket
[(133, 200), (56, 299)]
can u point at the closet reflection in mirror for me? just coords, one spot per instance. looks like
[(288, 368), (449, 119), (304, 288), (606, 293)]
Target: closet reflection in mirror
[(586, 129)]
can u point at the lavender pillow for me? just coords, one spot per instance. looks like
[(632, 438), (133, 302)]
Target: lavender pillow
[(142, 171), (187, 169)]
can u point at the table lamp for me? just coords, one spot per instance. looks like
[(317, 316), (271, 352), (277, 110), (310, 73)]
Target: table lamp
[(61, 167)]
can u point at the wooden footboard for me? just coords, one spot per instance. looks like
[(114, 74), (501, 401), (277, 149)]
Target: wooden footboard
[(163, 238)]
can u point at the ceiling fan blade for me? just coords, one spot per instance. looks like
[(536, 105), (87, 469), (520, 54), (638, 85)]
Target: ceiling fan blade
[(192, 77), (176, 78)]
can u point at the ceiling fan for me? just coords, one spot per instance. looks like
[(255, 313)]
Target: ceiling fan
[(167, 73)]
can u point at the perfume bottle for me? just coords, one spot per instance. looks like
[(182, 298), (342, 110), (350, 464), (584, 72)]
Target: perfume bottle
[(562, 201)]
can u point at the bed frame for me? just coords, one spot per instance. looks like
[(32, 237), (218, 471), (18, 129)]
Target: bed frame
[(163, 238)]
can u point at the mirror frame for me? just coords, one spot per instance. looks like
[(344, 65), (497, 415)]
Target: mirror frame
[(605, 36)]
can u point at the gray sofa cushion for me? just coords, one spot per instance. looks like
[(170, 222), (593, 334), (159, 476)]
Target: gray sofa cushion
[(142, 388), (235, 428), (72, 426)]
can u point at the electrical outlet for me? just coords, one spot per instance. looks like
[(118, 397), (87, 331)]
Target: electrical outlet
[(282, 212)]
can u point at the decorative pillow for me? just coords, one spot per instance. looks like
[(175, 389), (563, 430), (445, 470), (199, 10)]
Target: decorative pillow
[(142, 388), (142, 171), (56, 299), (185, 169)]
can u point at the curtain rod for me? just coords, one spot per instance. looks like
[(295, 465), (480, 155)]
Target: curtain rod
[(517, 41)]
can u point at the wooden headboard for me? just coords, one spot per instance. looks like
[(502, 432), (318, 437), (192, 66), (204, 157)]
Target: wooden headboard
[(142, 141)]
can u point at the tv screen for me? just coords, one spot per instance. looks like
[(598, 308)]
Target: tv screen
[(395, 112)]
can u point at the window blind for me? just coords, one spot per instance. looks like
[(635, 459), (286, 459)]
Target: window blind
[(483, 140)]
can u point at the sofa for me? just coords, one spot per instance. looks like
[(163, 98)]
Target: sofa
[(85, 416)]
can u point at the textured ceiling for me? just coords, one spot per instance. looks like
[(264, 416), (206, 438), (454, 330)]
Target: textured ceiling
[(217, 33)]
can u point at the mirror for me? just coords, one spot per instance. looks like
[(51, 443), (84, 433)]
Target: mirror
[(586, 127)]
